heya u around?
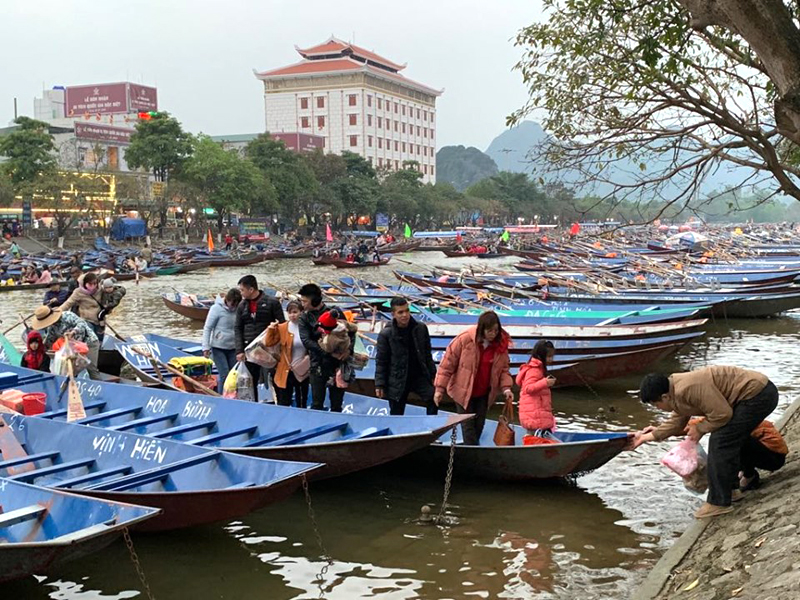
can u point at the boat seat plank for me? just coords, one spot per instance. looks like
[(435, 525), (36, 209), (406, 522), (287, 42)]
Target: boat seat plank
[(313, 433), (272, 437), (143, 422), (240, 485), (94, 476), (369, 432), (110, 414), (223, 435), (26, 513), (154, 474), (65, 466), (28, 459), (80, 534), (62, 412), (183, 429)]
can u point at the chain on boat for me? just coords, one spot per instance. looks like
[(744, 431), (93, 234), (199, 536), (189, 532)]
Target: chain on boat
[(137, 565), (448, 480)]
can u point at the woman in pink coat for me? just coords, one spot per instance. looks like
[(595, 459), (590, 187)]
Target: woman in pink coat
[(535, 401), (474, 371)]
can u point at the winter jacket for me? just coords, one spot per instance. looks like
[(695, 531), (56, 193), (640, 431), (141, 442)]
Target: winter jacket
[(459, 366), (82, 331), (322, 363), (218, 328), (89, 305), (282, 335), (248, 327), (392, 360), (60, 297), (535, 399)]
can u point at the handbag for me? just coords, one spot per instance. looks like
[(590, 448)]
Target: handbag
[(504, 434), (301, 368)]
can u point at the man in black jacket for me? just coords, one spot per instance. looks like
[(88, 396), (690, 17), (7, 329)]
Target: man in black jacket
[(323, 365), (254, 314), (404, 361)]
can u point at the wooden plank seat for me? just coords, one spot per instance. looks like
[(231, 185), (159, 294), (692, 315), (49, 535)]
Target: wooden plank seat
[(151, 475), (62, 412), (142, 422), (20, 515), (94, 476), (311, 434), (28, 459), (57, 468), (369, 432), (86, 532), (271, 437), (240, 485), (110, 414), (178, 429), (223, 435)]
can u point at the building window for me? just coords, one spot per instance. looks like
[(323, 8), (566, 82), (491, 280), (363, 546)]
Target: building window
[(380, 104), (369, 100), (411, 148), (380, 122), (424, 151), (404, 110), (304, 122), (320, 101), (425, 132), (369, 120), (425, 169), (395, 125), (396, 146), (351, 99), (404, 146), (417, 148), (353, 119), (395, 107), (369, 141), (396, 165), (380, 160), (388, 144), (418, 113), (380, 142), (403, 127), (432, 171), (304, 103), (353, 141), (320, 122), (431, 122)]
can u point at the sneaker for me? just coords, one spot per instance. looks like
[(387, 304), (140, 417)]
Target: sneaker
[(711, 510)]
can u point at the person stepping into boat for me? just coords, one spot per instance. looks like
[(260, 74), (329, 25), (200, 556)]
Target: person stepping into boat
[(474, 371), (535, 399), (219, 341), (404, 361), (53, 324), (255, 313), (734, 401), (291, 374)]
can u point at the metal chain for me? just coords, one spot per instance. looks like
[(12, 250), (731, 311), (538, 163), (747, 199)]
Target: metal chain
[(325, 556), (586, 383), (137, 565), (448, 480)]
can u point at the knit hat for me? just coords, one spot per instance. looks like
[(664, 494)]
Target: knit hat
[(327, 321), (109, 282)]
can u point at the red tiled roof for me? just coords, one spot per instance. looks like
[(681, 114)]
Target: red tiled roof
[(334, 45), (315, 66)]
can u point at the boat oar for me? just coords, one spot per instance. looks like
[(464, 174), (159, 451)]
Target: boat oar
[(176, 372), (18, 323), (115, 332)]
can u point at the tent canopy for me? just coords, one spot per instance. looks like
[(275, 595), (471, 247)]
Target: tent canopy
[(125, 228)]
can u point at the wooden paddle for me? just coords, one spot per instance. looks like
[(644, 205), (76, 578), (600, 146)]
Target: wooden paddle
[(18, 323), (176, 372)]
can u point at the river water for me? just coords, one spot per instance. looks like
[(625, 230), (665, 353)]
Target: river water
[(595, 539)]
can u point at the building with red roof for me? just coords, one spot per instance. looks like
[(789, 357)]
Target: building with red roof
[(358, 101)]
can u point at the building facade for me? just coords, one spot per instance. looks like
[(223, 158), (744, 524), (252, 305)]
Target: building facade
[(357, 101)]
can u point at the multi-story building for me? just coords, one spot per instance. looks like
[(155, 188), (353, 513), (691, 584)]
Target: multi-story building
[(359, 102)]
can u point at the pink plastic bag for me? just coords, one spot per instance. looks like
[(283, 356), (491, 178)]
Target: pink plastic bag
[(685, 458)]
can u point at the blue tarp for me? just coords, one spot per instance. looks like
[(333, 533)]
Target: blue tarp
[(125, 228)]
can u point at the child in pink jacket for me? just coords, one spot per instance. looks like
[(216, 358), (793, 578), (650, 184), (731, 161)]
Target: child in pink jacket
[(535, 401)]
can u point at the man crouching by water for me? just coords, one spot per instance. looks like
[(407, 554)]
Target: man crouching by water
[(734, 402)]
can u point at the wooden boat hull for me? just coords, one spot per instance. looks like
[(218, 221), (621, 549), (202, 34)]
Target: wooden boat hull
[(70, 527), (194, 266), (196, 313), (343, 264), (236, 262), (27, 287)]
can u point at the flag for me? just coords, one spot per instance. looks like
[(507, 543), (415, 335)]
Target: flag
[(75, 410), (328, 233), (505, 236), (408, 231), (210, 241)]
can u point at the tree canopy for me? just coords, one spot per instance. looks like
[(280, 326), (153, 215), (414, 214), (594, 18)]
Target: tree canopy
[(160, 145)]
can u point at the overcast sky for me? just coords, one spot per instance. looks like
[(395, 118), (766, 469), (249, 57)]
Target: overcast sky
[(201, 53)]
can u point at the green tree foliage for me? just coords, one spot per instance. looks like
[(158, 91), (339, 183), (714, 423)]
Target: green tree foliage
[(514, 195), (226, 182), (159, 145), (287, 171), (29, 152), (462, 166), (667, 86)]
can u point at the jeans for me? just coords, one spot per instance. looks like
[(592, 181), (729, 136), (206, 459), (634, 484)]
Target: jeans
[(99, 331), (224, 359), (294, 388), (726, 443), (319, 387), (423, 389), (471, 430)]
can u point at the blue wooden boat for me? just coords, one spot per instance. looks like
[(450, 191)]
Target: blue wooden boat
[(578, 452), (136, 351), (344, 443), (42, 528), (191, 484)]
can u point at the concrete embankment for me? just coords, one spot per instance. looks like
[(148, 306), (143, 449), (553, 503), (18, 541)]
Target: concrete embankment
[(751, 553)]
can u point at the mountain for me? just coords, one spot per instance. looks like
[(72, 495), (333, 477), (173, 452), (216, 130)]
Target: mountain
[(511, 151), (462, 166)]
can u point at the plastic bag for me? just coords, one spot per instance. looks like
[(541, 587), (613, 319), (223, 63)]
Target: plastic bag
[(230, 385), (259, 353), (685, 458), (244, 383), (69, 350)]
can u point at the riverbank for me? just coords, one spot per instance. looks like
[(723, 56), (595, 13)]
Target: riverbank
[(747, 554)]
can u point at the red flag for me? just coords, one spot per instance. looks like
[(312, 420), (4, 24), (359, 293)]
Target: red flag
[(328, 233)]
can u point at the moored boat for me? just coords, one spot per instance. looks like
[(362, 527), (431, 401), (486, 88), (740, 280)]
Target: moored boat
[(197, 310)]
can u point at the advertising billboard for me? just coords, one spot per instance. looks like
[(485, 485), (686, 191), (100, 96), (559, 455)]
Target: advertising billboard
[(300, 142), (96, 99), (103, 133), (142, 97)]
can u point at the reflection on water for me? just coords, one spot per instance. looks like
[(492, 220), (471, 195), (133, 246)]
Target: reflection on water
[(596, 539)]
